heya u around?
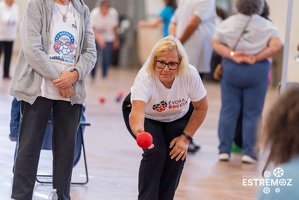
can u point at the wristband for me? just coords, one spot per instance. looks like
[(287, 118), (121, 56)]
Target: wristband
[(187, 136), (231, 54)]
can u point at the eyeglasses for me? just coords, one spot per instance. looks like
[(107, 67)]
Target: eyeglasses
[(171, 65)]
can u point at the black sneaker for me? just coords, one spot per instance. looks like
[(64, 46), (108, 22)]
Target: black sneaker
[(193, 148)]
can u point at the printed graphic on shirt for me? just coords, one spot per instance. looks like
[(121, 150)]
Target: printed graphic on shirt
[(160, 107), (64, 43), (246, 35)]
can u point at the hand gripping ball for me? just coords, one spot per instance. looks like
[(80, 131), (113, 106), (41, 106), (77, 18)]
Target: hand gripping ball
[(144, 140)]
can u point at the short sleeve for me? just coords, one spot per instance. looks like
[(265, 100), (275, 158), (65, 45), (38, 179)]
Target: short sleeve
[(141, 88), (205, 10)]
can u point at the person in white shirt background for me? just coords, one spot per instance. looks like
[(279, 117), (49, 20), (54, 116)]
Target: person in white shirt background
[(105, 22), (193, 23), (9, 16)]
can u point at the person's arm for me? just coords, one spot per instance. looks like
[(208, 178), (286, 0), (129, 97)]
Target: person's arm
[(116, 39), (190, 28), (31, 39), (172, 29), (274, 45), (137, 115), (179, 144), (197, 117), (98, 39), (153, 24)]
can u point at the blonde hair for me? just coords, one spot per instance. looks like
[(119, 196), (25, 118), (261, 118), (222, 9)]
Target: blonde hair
[(163, 47)]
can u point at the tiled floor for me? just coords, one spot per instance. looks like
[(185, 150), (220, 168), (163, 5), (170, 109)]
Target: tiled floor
[(113, 156)]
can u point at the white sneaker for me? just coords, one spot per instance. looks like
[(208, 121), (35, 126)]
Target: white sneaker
[(248, 159), (223, 156)]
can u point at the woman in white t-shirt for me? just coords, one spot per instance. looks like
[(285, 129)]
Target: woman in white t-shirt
[(245, 41), (168, 100), (105, 21), (9, 16)]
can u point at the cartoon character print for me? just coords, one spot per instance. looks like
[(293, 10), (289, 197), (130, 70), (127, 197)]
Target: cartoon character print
[(160, 107), (61, 47)]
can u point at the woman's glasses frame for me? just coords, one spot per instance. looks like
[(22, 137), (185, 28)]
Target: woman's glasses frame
[(171, 65)]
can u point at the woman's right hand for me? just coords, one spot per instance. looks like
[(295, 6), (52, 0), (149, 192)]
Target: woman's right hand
[(101, 43), (179, 147), (67, 92)]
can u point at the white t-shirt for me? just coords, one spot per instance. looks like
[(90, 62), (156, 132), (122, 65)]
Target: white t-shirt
[(9, 17), (104, 24), (255, 38), (164, 104), (198, 46), (62, 51)]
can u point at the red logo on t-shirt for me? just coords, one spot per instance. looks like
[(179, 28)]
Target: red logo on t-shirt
[(160, 107)]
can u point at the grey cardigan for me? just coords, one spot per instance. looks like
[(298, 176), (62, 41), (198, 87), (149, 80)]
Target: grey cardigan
[(33, 63)]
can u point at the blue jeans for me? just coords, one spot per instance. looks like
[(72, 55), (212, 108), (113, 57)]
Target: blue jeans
[(243, 88), (14, 119), (106, 56), (65, 120)]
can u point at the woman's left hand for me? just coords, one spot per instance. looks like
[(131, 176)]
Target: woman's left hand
[(249, 59), (66, 79), (179, 147)]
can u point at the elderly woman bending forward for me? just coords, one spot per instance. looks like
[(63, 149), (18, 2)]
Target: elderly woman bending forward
[(169, 101)]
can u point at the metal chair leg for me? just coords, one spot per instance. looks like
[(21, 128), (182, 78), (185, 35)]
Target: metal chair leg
[(85, 163)]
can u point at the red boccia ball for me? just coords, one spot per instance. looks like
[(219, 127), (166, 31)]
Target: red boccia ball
[(102, 100), (144, 140)]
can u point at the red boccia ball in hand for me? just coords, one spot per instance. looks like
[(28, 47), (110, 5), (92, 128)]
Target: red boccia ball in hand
[(144, 140)]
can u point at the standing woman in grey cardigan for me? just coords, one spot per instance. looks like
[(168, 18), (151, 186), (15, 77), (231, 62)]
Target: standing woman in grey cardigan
[(57, 53)]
